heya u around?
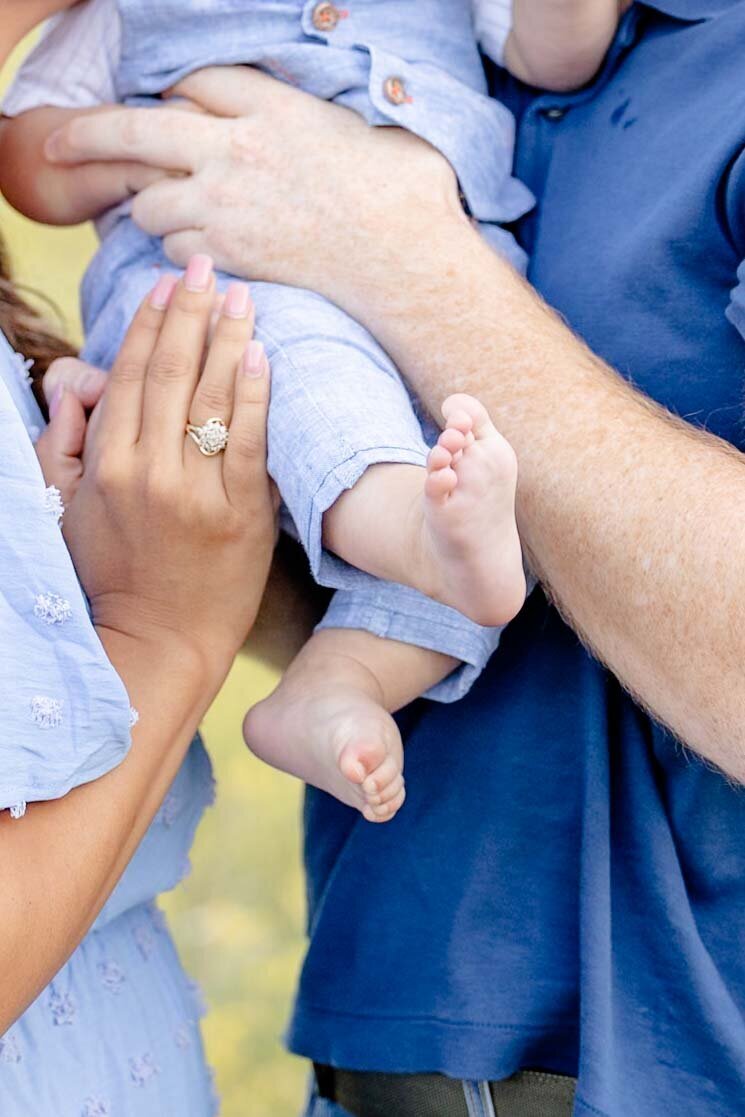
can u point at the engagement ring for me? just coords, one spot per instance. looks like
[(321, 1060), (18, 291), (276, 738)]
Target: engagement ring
[(211, 437)]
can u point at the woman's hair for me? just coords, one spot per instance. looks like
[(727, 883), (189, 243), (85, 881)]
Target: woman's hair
[(26, 329)]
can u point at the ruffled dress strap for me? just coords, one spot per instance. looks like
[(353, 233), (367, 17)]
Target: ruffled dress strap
[(64, 712)]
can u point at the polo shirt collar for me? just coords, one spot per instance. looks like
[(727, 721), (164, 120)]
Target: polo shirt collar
[(691, 10)]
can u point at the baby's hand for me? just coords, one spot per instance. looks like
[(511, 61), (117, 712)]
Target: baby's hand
[(72, 388)]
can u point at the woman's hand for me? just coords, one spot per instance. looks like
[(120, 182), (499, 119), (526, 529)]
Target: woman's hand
[(72, 389), (173, 549), (167, 541), (279, 185)]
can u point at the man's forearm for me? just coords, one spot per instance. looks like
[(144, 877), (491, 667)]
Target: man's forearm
[(634, 521)]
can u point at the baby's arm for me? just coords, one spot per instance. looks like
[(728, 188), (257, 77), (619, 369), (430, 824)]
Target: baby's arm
[(51, 193), (71, 70), (560, 44)]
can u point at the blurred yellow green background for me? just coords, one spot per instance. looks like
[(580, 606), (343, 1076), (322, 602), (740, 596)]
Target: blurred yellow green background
[(238, 917)]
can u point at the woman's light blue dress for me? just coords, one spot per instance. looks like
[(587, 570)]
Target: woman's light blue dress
[(116, 1034)]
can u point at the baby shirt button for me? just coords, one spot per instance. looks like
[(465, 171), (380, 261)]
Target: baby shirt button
[(326, 16), (394, 91)]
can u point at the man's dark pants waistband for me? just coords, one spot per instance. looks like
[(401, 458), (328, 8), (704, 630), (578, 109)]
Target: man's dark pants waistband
[(527, 1094)]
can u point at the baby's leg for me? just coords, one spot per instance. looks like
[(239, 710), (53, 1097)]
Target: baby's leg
[(328, 721), (450, 531)]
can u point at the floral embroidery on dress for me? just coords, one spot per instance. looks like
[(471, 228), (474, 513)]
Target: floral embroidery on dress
[(197, 995), (170, 809), (52, 609), (10, 1052), (158, 919), (182, 1036), (94, 1107), (214, 1096), (112, 976), (23, 366), (53, 503), (46, 712), (142, 933), (142, 1068), (134, 717), (62, 1007), (18, 810)]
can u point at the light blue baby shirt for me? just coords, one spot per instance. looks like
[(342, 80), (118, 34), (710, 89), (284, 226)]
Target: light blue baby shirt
[(412, 64)]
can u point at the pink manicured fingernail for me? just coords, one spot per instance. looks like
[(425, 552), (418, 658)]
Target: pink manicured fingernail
[(198, 273), (163, 291), (236, 301), (56, 400), (254, 361)]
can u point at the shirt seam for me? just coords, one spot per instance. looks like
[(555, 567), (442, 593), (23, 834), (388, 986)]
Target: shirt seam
[(392, 613), (588, 1105), (304, 1006)]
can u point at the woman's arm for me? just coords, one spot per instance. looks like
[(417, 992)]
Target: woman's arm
[(173, 550), (634, 520), (61, 861)]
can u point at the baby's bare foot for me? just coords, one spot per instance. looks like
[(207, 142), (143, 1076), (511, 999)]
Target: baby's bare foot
[(339, 740), (470, 532)]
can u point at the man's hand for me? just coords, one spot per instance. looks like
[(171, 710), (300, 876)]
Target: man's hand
[(268, 179)]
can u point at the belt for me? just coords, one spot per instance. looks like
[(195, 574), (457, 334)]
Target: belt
[(530, 1093)]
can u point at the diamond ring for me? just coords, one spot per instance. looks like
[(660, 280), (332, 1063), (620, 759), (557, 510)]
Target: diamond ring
[(211, 437)]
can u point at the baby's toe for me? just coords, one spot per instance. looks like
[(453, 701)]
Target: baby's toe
[(452, 440), (441, 484), (386, 811), (391, 792), (358, 760), (379, 780), (438, 458), (461, 408), (460, 422), (383, 812)]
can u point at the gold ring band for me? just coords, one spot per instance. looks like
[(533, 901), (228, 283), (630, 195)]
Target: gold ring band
[(211, 437)]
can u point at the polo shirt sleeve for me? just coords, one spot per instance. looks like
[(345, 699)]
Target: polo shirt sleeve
[(734, 215)]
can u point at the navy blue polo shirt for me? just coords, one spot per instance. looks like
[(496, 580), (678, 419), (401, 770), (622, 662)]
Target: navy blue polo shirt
[(565, 888)]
